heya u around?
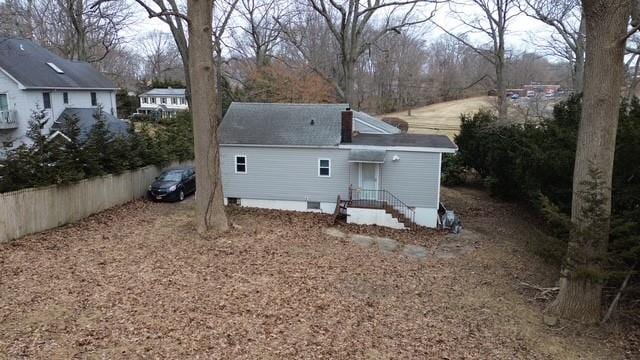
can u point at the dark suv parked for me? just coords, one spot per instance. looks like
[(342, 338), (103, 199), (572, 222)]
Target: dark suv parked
[(174, 184)]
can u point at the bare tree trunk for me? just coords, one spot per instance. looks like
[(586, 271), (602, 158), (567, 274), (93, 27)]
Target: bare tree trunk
[(348, 81), (578, 67), (580, 288), (219, 81), (210, 212), (501, 90)]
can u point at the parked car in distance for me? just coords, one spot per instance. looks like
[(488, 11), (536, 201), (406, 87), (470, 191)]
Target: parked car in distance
[(531, 93), (173, 184), (515, 96)]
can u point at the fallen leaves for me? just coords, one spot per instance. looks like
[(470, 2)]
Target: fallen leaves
[(136, 281)]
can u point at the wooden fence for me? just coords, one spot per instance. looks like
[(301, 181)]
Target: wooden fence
[(29, 211)]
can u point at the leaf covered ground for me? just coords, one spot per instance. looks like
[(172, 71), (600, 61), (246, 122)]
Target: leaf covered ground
[(137, 282)]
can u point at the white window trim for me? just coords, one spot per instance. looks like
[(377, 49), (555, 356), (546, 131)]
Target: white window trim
[(324, 176), (235, 165)]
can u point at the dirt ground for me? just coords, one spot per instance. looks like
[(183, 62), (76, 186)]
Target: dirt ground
[(137, 282), (442, 118)]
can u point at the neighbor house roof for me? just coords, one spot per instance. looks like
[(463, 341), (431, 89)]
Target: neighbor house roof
[(164, 92), (404, 140), (35, 67), (282, 124), (86, 120)]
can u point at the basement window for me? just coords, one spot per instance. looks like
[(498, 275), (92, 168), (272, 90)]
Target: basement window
[(313, 205), (241, 164), (233, 201)]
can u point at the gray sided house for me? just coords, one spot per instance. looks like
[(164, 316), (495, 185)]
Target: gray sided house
[(304, 156), (32, 77)]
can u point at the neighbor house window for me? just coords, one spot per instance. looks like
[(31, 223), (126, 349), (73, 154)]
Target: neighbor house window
[(241, 164), (153, 100), (182, 101), (94, 99), (65, 97), (174, 101), (144, 100), (4, 103), (324, 167), (163, 100), (46, 100)]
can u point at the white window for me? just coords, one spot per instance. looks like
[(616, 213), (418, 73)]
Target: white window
[(163, 100), (324, 167), (174, 100), (241, 164), (143, 99), (182, 101), (153, 100)]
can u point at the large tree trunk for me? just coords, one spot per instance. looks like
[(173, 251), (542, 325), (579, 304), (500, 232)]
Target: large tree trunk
[(210, 213), (501, 87), (580, 285), (349, 84), (578, 67)]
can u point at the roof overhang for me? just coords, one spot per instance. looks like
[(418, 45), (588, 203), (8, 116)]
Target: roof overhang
[(398, 148), (68, 88), (372, 156)]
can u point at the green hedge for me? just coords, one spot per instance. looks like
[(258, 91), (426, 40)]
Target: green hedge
[(534, 163), (57, 161)]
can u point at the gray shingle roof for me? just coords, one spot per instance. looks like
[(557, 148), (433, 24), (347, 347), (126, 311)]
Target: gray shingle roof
[(404, 139), (308, 124), (164, 92), (282, 124), (27, 63), (87, 120)]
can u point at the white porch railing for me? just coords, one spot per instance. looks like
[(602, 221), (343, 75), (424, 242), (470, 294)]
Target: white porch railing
[(8, 119)]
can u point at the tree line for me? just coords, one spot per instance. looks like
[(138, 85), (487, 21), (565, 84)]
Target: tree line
[(382, 61)]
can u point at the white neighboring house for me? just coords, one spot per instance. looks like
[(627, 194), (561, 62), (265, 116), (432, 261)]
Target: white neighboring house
[(163, 102), (32, 77)]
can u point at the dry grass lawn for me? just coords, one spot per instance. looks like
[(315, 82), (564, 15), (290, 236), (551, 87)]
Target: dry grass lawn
[(442, 118), (137, 282)]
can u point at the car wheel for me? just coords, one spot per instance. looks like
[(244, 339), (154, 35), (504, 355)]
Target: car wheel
[(181, 195)]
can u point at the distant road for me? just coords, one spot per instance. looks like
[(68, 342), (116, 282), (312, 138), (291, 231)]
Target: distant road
[(442, 118)]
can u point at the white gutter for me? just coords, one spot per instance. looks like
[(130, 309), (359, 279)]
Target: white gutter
[(399, 148)]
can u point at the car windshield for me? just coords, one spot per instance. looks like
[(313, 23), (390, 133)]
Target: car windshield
[(175, 175)]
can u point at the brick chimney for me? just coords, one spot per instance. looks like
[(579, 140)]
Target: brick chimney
[(347, 126)]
